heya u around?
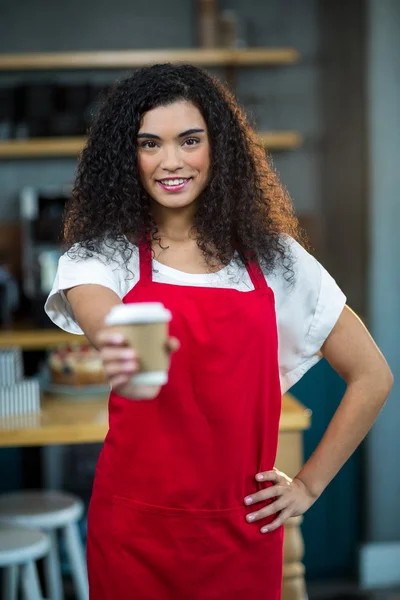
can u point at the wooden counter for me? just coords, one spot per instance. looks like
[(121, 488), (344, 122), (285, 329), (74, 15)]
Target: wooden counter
[(62, 420), (83, 419), (38, 339), (294, 420)]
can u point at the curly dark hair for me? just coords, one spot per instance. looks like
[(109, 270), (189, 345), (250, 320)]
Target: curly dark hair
[(244, 206)]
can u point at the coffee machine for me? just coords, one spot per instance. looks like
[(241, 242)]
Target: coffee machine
[(41, 212)]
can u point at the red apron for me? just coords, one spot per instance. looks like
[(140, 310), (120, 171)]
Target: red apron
[(167, 515)]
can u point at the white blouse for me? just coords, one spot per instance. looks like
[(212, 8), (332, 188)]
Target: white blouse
[(306, 309)]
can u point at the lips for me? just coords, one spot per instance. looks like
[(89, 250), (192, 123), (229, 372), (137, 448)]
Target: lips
[(174, 185)]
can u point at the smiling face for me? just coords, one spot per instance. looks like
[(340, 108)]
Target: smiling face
[(174, 154)]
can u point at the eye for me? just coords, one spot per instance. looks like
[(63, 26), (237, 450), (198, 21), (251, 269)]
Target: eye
[(149, 144), (191, 141)]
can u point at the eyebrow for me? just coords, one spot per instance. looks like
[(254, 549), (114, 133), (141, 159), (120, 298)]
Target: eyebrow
[(152, 136)]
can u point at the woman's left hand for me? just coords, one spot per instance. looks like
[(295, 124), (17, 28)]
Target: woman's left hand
[(291, 498)]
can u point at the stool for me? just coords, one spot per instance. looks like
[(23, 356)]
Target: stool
[(19, 549), (50, 511)]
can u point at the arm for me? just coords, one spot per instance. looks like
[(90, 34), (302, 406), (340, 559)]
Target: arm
[(90, 304), (353, 354)]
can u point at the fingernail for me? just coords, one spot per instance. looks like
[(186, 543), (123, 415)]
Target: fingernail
[(129, 366), (117, 338), (248, 500), (251, 518), (129, 354), (264, 529), (259, 477)]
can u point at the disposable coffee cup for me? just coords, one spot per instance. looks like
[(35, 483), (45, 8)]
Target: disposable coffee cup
[(145, 327)]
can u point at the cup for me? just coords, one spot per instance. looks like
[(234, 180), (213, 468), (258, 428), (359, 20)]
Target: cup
[(145, 327)]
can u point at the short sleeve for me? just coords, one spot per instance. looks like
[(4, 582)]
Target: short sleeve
[(307, 310), (74, 270)]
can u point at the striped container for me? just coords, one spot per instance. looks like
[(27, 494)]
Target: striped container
[(11, 366), (20, 399)]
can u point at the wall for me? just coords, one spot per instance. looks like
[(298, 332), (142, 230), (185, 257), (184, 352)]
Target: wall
[(284, 98), (384, 308)]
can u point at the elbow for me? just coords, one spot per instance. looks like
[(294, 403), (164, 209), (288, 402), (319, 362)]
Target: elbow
[(388, 380), (387, 384), (375, 384), (384, 383)]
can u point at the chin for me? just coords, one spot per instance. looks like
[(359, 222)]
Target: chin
[(174, 201)]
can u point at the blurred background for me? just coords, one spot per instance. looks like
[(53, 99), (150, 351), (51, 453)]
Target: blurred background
[(320, 81)]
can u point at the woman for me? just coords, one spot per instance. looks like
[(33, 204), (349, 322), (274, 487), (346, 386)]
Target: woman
[(175, 202)]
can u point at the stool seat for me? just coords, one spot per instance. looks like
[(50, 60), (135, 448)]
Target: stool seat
[(19, 545), (40, 509), (57, 514)]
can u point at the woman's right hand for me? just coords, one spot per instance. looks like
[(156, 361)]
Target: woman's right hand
[(120, 362)]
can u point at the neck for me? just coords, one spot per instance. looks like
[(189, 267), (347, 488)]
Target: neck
[(176, 223)]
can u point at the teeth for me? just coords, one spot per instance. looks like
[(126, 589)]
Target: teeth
[(173, 181)]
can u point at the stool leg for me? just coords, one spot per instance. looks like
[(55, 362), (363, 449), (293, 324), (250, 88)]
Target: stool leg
[(10, 583), (30, 582), (77, 560), (52, 570)]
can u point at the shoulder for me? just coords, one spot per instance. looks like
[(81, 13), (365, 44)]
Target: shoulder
[(111, 264), (297, 272), (308, 303), (116, 253)]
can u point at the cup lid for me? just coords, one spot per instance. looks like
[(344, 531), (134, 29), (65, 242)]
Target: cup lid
[(138, 312)]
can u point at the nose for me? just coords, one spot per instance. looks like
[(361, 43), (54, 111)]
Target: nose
[(171, 159)]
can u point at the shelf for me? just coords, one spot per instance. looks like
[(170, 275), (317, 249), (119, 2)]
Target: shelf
[(38, 339), (281, 140), (71, 146), (41, 147), (122, 59)]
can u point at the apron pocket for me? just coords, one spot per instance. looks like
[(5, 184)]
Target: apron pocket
[(163, 553)]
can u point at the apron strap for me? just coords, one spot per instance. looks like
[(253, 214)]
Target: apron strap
[(145, 262), (254, 270), (256, 275)]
